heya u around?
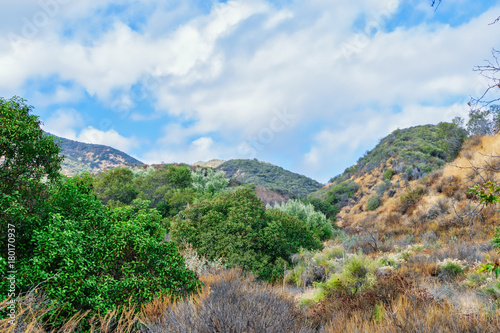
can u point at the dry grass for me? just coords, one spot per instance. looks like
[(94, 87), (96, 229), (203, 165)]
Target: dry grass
[(228, 302)]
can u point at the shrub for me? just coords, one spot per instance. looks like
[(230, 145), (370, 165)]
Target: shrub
[(228, 302), (96, 259), (388, 174), (409, 199), (373, 202), (316, 221), (209, 181), (451, 268), (382, 187), (235, 227)]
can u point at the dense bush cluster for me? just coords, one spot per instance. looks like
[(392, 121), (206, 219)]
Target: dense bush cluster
[(315, 221), (235, 226)]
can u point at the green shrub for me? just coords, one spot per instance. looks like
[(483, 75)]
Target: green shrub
[(316, 221), (373, 202), (496, 238), (388, 174), (115, 185), (451, 268), (209, 181), (235, 226), (96, 259)]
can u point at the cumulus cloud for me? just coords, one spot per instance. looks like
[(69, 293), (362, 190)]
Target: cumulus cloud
[(109, 138), (70, 124), (63, 123), (221, 72)]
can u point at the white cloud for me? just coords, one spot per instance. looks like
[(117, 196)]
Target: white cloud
[(333, 148), (225, 72), (64, 123), (200, 149), (109, 138)]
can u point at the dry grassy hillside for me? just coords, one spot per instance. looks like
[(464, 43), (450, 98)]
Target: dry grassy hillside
[(434, 207)]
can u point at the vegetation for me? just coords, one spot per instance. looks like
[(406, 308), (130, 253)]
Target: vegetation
[(373, 202), (63, 243), (79, 157), (269, 176), (93, 251), (315, 221), (235, 226)]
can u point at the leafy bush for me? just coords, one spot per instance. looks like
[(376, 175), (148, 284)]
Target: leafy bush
[(209, 181), (316, 221), (329, 210), (451, 268), (382, 187), (96, 259), (373, 202), (235, 226), (116, 185), (388, 174)]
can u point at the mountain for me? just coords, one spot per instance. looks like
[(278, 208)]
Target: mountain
[(81, 157), (269, 176)]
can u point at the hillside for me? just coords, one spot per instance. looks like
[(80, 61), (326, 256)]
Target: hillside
[(81, 156), (269, 176), (402, 156), (435, 206)]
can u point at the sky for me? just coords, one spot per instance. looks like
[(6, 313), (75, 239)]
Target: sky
[(306, 85)]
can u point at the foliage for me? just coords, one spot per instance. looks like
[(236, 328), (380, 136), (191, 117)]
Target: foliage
[(451, 267), (388, 174), (424, 148), (235, 226), (410, 198), (168, 189), (116, 185), (95, 259), (358, 275), (488, 193), (315, 221), (29, 162), (373, 202), (209, 181), (483, 122), (269, 176), (329, 210)]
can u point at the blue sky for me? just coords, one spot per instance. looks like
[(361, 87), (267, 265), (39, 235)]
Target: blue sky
[(307, 85)]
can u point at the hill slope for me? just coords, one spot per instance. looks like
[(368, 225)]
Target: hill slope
[(81, 156), (402, 156), (269, 176)]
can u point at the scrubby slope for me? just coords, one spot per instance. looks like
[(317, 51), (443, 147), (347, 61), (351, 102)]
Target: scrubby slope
[(81, 156), (404, 155), (269, 176)]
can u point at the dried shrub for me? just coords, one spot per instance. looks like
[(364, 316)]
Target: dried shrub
[(409, 199), (229, 302)]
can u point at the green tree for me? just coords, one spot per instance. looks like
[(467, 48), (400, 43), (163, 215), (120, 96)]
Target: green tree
[(235, 226), (480, 122), (116, 184), (27, 158), (94, 258)]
